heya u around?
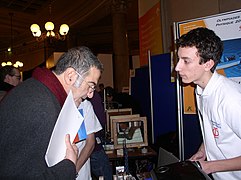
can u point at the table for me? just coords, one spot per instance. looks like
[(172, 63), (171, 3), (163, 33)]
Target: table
[(135, 155)]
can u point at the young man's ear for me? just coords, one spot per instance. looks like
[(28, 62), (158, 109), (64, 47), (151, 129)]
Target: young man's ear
[(208, 65)]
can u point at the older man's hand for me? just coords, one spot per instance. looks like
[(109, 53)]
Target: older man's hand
[(71, 150)]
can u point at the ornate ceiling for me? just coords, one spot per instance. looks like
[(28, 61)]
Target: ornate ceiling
[(90, 19)]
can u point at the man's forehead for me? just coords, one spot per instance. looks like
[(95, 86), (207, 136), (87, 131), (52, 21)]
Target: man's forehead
[(188, 52), (94, 72), (93, 75), (16, 71)]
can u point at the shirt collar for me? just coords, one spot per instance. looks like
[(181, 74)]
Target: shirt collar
[(211, 86)]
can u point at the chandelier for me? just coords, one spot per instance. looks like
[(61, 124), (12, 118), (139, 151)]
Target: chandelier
[(49, 26), (17, 64), (11, 58)]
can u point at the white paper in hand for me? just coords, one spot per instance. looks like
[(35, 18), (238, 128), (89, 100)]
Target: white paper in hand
[(68, 122)]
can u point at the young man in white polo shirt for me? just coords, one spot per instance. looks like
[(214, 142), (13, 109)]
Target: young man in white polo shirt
[(218, 102)]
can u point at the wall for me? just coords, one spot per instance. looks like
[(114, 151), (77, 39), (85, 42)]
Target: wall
[(107, 75), (53, 59), (135, 62)]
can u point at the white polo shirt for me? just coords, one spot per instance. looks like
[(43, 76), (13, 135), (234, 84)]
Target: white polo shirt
[(92, 125), (219, 107)]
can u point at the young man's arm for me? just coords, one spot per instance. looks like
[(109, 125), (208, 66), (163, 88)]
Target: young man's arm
[(217, 165), (221, 165)]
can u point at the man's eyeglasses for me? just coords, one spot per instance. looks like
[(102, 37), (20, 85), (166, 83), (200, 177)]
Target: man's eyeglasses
[(92, 87), (18, 76)]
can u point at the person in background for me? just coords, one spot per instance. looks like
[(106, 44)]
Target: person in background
[(120, 100), (28, 114), (110, 95), (101, 91), (99, 161), (101, 87), (218, 103), (9, 78)]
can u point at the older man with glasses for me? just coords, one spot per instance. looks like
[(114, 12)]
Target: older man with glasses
[(29, 112)]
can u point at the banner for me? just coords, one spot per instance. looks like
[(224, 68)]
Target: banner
[(150, 33), (228, 27)]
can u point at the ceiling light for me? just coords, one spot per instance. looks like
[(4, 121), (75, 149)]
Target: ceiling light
[(49, 26), (17, 64), (11, 56)]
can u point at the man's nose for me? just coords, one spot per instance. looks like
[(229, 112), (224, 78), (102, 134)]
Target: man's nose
[(178, 67), (90, 94)]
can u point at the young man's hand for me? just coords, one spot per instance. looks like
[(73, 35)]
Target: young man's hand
[(200, 154)]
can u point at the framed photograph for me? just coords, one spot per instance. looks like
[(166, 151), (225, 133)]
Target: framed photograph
[(115, 112), (130, 130), (119, 117)]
